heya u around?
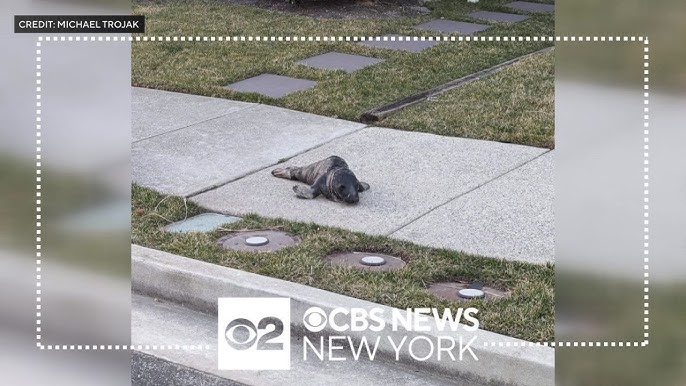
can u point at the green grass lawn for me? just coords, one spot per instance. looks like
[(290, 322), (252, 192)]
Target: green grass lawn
[(514, 105), (528, 313), (204, 68)]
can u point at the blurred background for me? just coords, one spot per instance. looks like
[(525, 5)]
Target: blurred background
[(599, 202), (85, 188), (599, 197)]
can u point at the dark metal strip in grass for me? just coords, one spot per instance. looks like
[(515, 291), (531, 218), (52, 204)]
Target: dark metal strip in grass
[(380, 113)]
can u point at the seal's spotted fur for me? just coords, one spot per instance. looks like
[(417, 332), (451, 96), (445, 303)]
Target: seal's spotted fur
[(330, 177)]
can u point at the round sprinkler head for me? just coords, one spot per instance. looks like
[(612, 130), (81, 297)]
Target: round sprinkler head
[(366, 261), (462, 290), (372, 261), (471, 293), (258, 241)]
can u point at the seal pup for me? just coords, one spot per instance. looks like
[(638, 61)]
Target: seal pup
[(330, 177)]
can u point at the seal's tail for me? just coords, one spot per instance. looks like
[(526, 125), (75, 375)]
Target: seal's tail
[(287, 173)]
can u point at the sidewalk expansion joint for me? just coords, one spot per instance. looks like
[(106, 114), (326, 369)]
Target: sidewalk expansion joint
[(257, 170), (198, 123)]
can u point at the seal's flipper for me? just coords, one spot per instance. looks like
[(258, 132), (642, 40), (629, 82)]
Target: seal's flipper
[(306, 192), (362, 186), (287, 173)]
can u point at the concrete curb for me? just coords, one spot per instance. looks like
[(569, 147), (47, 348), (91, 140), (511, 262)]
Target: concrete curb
[(198, 285), (148, 369)]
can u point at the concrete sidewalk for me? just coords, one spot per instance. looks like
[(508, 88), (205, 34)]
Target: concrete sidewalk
[(409, 173), (510, 217), (481, 197), (186, 144)]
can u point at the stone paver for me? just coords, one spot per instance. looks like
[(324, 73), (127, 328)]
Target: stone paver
[(409, 174), (511, 217), (450, 26), (205, 222), (275, 86), (411, 46), (531, 7), (339, 61), (156, 112), (498, 16), (214, 152)]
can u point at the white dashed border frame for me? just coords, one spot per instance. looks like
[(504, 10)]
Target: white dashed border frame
[(646, 162)]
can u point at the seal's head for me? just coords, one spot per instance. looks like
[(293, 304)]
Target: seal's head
[(342, 185)]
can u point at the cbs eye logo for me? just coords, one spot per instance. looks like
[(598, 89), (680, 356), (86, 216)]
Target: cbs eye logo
[(315, 319), (254, 334), (242, 334)]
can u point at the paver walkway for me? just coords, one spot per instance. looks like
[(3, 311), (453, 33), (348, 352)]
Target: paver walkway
[(478, 196), (278, 86), (498, 16), (339, 61), (531, 7), (275, 86)]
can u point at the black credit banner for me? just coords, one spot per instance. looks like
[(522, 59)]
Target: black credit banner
[(79, 24)]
